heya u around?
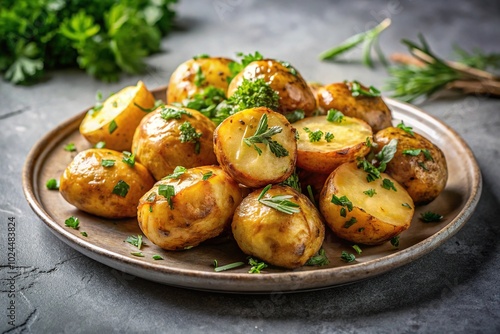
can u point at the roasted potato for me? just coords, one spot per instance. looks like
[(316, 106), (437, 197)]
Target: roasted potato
[(194, 75), (116, 121), (278, 238), (418, 165), (198, 206), (323, 145), (97, 181), (365, 212), (251, 158), (169, 137), (339, 96), (293, 91)]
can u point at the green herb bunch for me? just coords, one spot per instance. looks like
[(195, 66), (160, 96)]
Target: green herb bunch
[(103, 37)]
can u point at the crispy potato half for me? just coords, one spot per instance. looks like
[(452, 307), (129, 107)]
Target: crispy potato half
[(179, 213), (325, 145), (418, 165), (372, 110), (169, 137), (256, 147), (278, 238), (194, 75), (292, 89), (99, 182), (116, 121), (365, 212)]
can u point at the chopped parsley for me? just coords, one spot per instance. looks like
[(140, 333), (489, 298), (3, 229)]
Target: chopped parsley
[(372, 172), (395, 241), (407, 129), (342, 201), (135, 240), (206, 102), (178, 171), (199, 78), (290, 68), (314, 136), (357, 249), (171, 113), (70, 147), (388, 184), (157, 257), (121, 188), (128, 158), (84, 234), (138, 254), (207, 175), (329, 137), (201, 56), (246, 59), (293, 181), (369, 143), (430, 217), (72, 222), (108, 163), (370, 192), (263, 135), (112, 127), (386, 154), (350, 222), (100, 144), (347, 257), (295, 116), (335, 116), (256, 266), (52, 184), (357, 90), (319, 259), (167, 191), (188, 134), (254, 93), (416, 151), (279, 202)]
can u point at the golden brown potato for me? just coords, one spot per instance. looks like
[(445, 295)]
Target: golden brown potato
[(365, 212), (277, 238), (287, 82), (315, 89), (372, 110), (340, 142), (169, 137), (116, 121), (252, 163), (418, 165), (198, 206), (194, 75), (97, 181)]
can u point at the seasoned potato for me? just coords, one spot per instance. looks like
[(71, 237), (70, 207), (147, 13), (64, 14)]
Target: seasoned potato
[(369, 213), (194, 75), (115, 123), (97, 181), (198, 207), (278, 238), (253, 163), (327, 153), (315, 89), (286, 81), (372, 110), (418, 165), (169, 137)]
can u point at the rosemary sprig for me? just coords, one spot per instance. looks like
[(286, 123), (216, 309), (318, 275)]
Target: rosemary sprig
[(263, 135), (279, 202)]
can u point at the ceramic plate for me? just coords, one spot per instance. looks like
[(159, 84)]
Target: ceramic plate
[(193, 268)]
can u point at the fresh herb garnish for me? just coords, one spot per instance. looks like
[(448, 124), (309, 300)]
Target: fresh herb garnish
[(370, 192), (121, 188), (329, 137), (295, 116), (112, 126), (157, 257), (178, 171), (430, 217), (263, 135), (314, 136), (372, 172), (395, 241), (406, 205), (70, 147), (52, 184), (416, 151), (138, 254), (188, 134), (207, 175), (246, 59), (128, 158), (167, 191), (207, 102), (254, 93), (227, 266), (279, 202), (357, 249), (422, 165), (107, 163), (293, 181), (199, 78), (347, 257), (357, 90), (350, 222), (386, 154), (171, 113), (335, 116), (319, 259), (84, 234), (342, 201), (388, 184), (151, 197), (310, 194), (100, 144), (72, 222), (201, 56), (290, 68), (135, 240), (256, 266), (158, 103), (405, 128)]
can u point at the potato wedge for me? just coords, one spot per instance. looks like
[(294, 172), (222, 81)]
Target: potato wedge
[(418, 165), (292, 89), (164, 141), (252, 163), (200, 207), (372, 110), (194, 75), (340, 142), (97, 181), (281, 239), (120, 115), (369, 213)]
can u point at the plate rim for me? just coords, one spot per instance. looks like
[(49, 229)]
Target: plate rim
[(162, 274)]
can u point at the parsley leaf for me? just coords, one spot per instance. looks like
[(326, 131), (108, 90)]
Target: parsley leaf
[(350, 222), (256, 266), (357, 90), (254, 93), (319, 259), (407, 129), (388, 184), (128, 158), (395, 241), (157, 257), (430, 217), (178, 171), (207, 175), (314, 136), (199, 78), (72, 222), (335, 116), (52, 184), (188, 134), (70, 147), (386, 154), (370, 192), (347, 257), (246, 59), (171, 113), (121, 188), (295, 116), (167, 191)]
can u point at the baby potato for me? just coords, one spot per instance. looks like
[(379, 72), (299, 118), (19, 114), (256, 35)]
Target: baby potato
[(194, 75), (246, 150), (418, 165), (292, 89), (323, 145), (365, 212), (97, 181), (116, 121), (278, 238), (179, 213), (169, 137), (372, 110)]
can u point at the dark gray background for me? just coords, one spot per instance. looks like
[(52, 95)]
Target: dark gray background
[(452, 289)]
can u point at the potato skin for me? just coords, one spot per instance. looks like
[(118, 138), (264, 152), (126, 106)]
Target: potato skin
[(201, 209), (243, 162), (378, 218), (121, 109), (275, 237), (423, 185), (88, 185), (372, 110), (157, 144), (292, 89), (183, 85)]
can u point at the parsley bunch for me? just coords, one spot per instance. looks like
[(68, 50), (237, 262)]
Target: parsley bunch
[(103, 37)]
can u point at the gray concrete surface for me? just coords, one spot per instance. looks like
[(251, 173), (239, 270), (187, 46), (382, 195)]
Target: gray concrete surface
[(452, 289)]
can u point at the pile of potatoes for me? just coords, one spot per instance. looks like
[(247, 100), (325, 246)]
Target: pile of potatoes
[(185, 189)]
